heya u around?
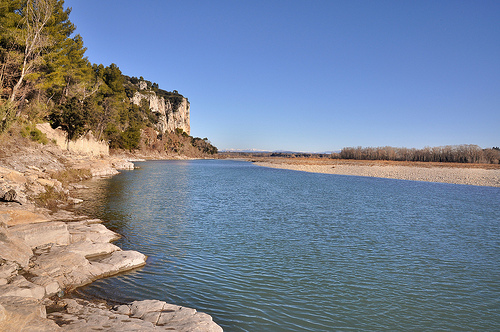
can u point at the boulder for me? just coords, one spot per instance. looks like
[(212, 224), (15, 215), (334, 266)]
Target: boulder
[(170, 316), (140, 309), (46, 182), (9, 196), (14, 176)]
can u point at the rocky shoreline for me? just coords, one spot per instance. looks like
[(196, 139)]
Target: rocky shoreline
[(46, 254), (463, 174)]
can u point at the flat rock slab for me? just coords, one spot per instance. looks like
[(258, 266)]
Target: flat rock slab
[(71, 269), (24, 314), (94, 232), (21, 287), (148, 315), (14, 249), (11, 175), (90, 249), (118, 261), (35, 235), (68, 268), (19, 217)]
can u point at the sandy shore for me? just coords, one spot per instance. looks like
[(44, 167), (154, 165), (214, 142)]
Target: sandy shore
[(477, 175)]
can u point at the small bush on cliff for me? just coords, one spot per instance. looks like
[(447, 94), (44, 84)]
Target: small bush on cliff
[(7, 115), (34, 133)]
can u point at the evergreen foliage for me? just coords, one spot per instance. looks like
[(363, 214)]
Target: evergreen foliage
[(44, 74)]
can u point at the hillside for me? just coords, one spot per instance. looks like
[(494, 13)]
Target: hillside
[(45, 76)]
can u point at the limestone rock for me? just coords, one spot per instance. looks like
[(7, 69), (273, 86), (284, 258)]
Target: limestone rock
[(75, 200), (87, 144), (123, 164), (117, 262), (68, 266), (11, 175), (50, 285), (69, 269), (20, 287), (14, 217), (81, 231), (170, 316), (8, 270), (24, 314), (148, 315), (14, 249), (42, 233), (170, 116), (46, 182), (89, 249)]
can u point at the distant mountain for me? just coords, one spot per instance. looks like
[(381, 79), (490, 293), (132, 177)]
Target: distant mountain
[(276, 151), (245, 150)]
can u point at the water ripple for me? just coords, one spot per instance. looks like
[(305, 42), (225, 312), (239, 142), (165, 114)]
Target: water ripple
[(271, 250)]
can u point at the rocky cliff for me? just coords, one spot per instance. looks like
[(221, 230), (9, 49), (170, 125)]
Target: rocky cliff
[(172, 113), (85, 145)]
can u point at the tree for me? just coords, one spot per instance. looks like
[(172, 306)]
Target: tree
[(71, 117), (30, 38), (67, 68), (34, 47)]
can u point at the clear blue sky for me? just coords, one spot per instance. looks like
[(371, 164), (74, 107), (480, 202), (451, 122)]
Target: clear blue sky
[(312, 75)]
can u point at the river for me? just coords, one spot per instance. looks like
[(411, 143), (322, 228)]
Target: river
[(263, 249)]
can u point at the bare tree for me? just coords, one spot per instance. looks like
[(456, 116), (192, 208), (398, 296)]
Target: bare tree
[(31, 36)]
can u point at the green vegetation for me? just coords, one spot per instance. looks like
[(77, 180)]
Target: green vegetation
[(44, 75), (51, 198), (35, 134)]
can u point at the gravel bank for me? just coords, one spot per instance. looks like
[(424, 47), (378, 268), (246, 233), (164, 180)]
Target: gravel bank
[(470, 176)]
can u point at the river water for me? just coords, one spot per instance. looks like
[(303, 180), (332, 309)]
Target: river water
[(263, 249)]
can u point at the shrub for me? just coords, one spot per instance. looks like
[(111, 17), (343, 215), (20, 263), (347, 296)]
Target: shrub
[(51, 198), (34, 134), (71, 175)]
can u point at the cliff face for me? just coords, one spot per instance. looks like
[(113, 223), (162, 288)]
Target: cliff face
[(86, 145), (172, 114)]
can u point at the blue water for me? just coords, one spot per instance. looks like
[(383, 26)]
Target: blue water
[(264, 249)]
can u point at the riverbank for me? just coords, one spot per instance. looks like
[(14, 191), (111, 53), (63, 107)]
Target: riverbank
[(470, 174), (46, 253)]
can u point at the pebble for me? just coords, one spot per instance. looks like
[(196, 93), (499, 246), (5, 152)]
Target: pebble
[(469, 176)]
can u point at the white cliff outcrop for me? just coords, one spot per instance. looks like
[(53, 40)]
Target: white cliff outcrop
[(171, 114), (85, 145)]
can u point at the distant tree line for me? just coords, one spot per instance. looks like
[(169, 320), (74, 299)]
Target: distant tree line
[(466, 153)]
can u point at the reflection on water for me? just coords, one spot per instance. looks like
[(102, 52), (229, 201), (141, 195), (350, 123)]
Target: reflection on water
[(273, 250)]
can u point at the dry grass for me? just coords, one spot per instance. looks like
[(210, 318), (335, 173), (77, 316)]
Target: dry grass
[(51, 198), (71, 175)]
